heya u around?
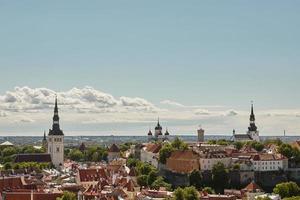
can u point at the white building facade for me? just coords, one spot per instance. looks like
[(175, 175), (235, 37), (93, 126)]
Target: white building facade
[(55, 141)]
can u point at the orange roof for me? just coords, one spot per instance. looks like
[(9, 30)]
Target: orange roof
[(153, 147), (86, 175), (10, 183), (27, 196), (188, 160), (252, 187)]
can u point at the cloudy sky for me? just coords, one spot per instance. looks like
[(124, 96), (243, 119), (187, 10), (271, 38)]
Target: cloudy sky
[(118, 65)]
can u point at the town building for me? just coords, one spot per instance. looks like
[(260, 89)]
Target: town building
[(252, 133), (55, 140), (209, 158), (200, 132), (263, 162), (150, 153), (113, 153)]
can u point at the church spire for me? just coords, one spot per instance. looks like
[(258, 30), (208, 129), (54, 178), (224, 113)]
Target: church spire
[(252, 126), (55, 126)]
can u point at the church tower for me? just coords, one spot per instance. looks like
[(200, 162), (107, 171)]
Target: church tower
[(158, 131), (44, 141), (56, 140), (252, 129)]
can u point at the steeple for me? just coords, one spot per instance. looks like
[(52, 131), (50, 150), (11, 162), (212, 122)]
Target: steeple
[(44, 139), (55, 126), (252, 116), (252, 126)]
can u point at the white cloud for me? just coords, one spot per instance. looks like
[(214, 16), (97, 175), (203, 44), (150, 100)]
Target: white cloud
[(201, 112), (87, 99), (3, 114), (88, 107), (230, 113), (172, 103)]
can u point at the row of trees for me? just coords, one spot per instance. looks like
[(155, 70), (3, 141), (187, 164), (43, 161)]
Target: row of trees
[(91, 154), (187, 193)]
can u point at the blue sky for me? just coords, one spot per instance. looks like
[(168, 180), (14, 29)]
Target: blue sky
[(192, 52)]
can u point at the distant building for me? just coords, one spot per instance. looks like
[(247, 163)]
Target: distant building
[(200, 132), (183, 162), (269, 162), (252, 133), (44, 141), (113, 152), (6, 144), (158, 134), (55, 140)]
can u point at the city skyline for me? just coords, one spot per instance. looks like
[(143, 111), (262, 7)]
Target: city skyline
[(117, 66)]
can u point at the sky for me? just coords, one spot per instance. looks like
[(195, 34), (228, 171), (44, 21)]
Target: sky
[(117, 66)]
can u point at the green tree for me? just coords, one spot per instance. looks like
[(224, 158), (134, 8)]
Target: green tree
[(287, 189), (286, 150), (238, 145), (142, 180), (8, 151), (219, 177), (179, 194), (151, 177), (190, 193), (132, 162), (179, 144), (67, 196), (76, 155), (165, 152), (292, 198), (257, 146), (7, 166), (208, 190), (195, 179), (159, 182)]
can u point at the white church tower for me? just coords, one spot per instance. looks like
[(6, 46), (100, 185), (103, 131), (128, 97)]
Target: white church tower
[(56, 140)]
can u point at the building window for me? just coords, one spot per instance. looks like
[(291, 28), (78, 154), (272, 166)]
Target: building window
[(57, 149)]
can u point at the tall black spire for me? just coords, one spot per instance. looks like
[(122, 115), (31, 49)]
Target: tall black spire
[(252, 126), (55, 126)]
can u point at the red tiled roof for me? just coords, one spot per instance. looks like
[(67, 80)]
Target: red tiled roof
[(252, 187), (266, 157), (188, 160), (86, 175), (10, 183), (27, 196), (34, 157), (153, 147)]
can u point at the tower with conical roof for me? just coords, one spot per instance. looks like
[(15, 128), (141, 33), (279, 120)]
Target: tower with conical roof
[(56, 140), (158, 130), (252, 129), (44, 141)]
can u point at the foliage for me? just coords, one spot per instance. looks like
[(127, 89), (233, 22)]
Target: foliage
[(179, 194), (223, 142), (188, 193), (125, 146), (179, 144), (292, 198), (142, 180), (236, 166), (219, 176), (238, 145), (95, 154), (8, 151), (165, 152), (257, 146), (144, 168), (7, 166), (287, 189), (152, 176), (76, 155), (208, 190), (67, 196), (159, 182), (195, 179), (132, 162), (263, 198)]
